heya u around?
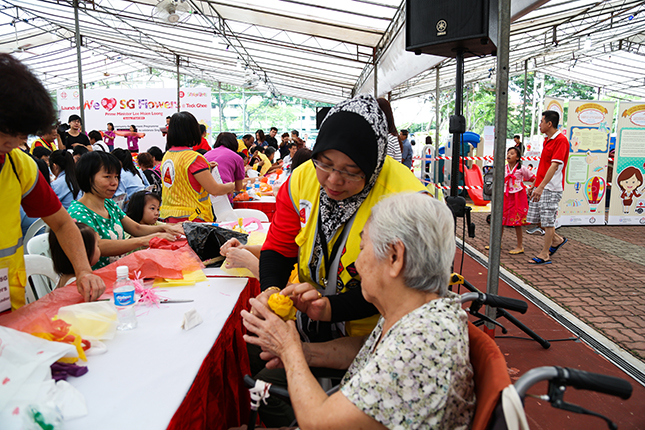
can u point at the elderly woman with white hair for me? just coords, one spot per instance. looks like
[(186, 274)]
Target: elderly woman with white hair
[(413, 370)]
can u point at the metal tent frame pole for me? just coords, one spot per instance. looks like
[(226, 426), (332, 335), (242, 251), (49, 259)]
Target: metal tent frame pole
[(456, 137), (375, 74), (436, 126), (501, 112), (526, 74), (79, 68), (178, 85)]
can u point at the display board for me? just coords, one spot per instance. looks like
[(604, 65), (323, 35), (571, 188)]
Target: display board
[(585, 180), (146, 108), (627, 203)]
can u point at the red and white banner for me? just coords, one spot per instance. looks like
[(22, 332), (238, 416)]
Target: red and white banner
[(145, 108)]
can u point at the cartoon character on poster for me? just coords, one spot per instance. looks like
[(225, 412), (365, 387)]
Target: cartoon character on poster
[(629, 180)]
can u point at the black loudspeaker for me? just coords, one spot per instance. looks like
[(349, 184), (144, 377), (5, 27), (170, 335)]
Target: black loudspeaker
[(444, 26), (321, 113)]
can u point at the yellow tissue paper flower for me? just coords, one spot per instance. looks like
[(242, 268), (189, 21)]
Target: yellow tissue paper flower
[(282, 306)]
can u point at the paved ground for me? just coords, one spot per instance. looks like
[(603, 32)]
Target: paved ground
[(599, 276)]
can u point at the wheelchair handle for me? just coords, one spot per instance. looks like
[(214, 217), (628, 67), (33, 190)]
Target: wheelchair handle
[(578, 379), (274, 390), (495, 301)]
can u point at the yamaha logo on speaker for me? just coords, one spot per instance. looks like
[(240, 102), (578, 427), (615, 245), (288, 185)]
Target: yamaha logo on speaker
[(441, 27)]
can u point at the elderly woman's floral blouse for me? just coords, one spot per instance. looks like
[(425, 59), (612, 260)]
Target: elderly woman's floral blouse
[(419, 375)]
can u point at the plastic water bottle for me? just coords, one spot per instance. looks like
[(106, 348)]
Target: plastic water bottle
[(124, 299), (256, 187)]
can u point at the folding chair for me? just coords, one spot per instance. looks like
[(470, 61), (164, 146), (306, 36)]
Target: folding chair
[(39, 286), (39, 245), (33, 230)]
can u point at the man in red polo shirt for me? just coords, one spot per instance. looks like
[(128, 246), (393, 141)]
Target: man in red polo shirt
[(548, 186)]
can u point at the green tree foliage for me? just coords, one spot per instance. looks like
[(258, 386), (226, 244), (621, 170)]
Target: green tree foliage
[(553, 87), (263, 114), (479, 107)]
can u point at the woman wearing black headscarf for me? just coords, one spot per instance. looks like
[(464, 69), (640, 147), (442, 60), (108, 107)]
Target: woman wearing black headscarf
[(320, 213)]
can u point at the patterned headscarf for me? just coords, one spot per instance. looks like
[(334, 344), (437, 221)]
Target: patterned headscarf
[(335, 213)]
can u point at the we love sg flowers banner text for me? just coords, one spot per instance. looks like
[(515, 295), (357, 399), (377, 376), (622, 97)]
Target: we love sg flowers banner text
[(145, 108)]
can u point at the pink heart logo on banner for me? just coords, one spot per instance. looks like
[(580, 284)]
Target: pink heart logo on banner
[(108, 104)]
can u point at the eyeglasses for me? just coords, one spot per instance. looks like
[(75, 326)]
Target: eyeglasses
[(354, 177)]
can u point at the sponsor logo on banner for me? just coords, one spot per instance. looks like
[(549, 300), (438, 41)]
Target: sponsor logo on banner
[(591, 113), (304, 212), (636, 115), (592, 220), (63, 95), (642, 220)]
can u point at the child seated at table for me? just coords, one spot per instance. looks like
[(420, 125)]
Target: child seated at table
[(144, 207), (62, 265)]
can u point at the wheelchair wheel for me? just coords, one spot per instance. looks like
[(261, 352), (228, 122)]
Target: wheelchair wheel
[(488, 219)]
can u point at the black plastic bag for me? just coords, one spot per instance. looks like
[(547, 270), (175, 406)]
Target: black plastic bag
[(206, 240)]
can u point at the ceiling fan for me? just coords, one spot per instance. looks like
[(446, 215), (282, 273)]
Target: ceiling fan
[(172, 11), (21, 48)]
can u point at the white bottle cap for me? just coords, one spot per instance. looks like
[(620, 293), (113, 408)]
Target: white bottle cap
[(122, 271)]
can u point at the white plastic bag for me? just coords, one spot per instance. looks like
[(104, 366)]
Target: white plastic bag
[(92, 320), (221, 204), (24, 368)]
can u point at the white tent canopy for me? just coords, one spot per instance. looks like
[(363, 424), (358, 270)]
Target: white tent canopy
[(316, 50)]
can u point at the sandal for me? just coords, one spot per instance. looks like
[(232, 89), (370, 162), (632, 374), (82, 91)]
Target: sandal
[(514, 252), (554, 249), (487, 247), (538, 261)]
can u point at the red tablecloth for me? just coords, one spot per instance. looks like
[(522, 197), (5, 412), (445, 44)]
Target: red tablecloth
[(267, 207), (218, 398)]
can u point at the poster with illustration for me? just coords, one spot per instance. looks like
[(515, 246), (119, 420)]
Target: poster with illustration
[(145, 108), (627, 202), (585, 180), (534, 146)]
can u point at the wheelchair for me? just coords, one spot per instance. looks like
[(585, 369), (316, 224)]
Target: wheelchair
[(499, 404)]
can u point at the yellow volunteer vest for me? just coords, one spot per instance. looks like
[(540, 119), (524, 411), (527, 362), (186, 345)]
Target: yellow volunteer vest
[(304, 190), (50, 146), (179, 199), (240, 145), (11, 247), (265, 167)]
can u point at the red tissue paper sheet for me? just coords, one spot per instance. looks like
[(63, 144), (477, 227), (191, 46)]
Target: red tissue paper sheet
[(151, 263)]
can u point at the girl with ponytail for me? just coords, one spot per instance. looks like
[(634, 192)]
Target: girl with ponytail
[(65, 185)]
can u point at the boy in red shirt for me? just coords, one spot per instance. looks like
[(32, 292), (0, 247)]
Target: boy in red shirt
[(549, 184)]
